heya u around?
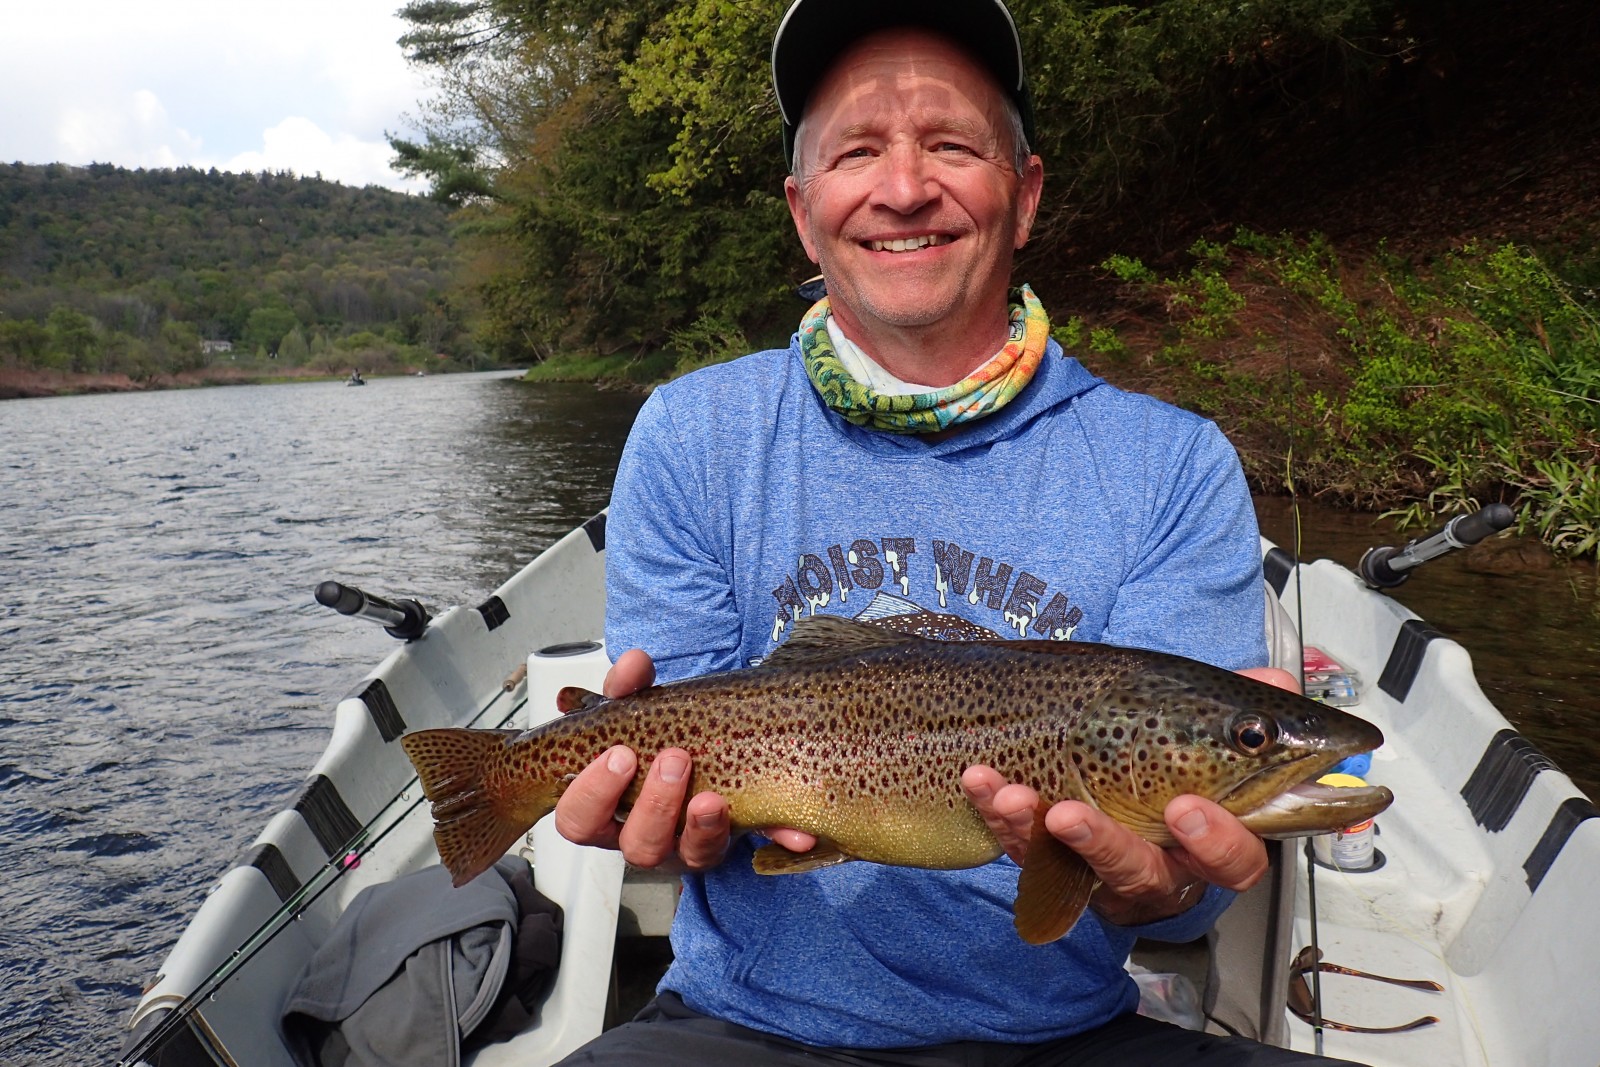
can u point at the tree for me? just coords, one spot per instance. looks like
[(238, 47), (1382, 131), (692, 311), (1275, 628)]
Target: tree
[(179, 346), (293, 348), (458, 178), (23, 342), (266, 326), (75, 336)]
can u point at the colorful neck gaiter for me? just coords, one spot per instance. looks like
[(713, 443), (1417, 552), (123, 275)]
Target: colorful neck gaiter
[(984, 391)]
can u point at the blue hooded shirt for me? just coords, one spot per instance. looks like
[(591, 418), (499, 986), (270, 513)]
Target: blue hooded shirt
[(1077, 512)]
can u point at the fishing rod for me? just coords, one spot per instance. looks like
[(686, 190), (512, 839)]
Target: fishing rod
[(388, 818), (324, 878), (1316, 972), (1383, 568), (1387, 567), (1300, 631)]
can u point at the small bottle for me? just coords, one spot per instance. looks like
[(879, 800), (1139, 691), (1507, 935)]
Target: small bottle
[(1350, 849)]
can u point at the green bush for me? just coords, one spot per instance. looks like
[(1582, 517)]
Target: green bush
[(1438, 387)]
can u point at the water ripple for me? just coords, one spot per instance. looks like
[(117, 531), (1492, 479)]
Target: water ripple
[(169, 680)]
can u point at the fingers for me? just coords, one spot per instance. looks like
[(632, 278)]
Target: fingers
[(1215, 845), (633, 671), (1007, 809), (1141, 882), (584, 814), (1273, 676), (793, 840), (649, 837), (706, 824), (1126, 864)]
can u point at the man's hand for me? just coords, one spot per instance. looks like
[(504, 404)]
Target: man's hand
[(649, 837), (1139, 882)]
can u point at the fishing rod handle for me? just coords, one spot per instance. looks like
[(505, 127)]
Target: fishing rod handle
[(404, 619)]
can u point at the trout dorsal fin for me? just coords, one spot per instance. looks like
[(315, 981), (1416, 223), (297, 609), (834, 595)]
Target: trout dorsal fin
[(573, 698), (1054, 887), (823, 639)]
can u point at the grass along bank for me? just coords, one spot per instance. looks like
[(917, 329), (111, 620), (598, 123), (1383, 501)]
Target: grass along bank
[(1425, 387), (708, 341)]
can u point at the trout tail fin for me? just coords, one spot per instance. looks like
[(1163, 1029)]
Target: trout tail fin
[(476, 818)]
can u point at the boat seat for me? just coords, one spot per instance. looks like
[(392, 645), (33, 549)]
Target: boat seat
[(1248, 954), (1283, 640), (585, 882)]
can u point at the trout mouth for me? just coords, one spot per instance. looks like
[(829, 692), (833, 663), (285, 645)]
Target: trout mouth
[(1269, 809)]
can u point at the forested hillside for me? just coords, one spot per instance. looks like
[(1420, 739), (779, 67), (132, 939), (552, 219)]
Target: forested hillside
[(126, 272)]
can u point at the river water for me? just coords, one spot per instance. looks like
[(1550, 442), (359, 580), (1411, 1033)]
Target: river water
[(166, 679)]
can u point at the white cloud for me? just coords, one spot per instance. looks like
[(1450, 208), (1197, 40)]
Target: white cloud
[(306, 85), (300, 145), (135, 131)]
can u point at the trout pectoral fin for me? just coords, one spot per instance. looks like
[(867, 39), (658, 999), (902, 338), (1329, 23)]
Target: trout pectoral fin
[(775, 859), (572, 698), (1054, 887)]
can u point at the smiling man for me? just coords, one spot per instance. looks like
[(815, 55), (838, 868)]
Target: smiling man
[(911, 193), (922, 455)]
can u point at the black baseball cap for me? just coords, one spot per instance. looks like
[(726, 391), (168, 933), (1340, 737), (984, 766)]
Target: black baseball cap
[(814, 32)]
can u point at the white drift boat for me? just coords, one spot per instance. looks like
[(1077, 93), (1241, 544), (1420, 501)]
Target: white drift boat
[(1482, 882)]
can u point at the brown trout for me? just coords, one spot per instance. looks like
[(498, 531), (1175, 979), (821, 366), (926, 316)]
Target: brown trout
[(859, 735)]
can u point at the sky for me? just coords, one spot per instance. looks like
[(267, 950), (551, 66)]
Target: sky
[(239, 85)]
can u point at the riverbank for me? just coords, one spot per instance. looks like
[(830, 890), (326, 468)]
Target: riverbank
[(20, 383), (636, 372), (17, 383)]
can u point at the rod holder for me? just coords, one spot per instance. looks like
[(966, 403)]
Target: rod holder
[(1387, 567), (403, 619)]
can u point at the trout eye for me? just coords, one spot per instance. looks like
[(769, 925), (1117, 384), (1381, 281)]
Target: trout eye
[(1252, 734)]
